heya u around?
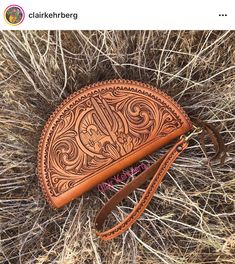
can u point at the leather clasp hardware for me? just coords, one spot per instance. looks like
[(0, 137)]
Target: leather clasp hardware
[(196, 131)]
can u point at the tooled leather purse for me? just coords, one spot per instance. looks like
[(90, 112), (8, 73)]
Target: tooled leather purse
[(102, 129)]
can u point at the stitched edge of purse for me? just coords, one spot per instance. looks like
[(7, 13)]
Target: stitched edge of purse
[(80, 91)]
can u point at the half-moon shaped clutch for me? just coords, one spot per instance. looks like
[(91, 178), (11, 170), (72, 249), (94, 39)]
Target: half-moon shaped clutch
[(100, 130)]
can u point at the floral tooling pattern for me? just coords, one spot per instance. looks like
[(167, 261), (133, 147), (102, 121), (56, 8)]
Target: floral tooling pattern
[(97, 130)]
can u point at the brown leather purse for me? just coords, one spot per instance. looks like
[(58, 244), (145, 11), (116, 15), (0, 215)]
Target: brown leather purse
[(104, 128)]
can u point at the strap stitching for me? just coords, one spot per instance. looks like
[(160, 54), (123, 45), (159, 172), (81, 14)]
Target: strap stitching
[(142, 203)]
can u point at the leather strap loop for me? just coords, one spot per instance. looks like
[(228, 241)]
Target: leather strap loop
[(157, 171), (215, 137)]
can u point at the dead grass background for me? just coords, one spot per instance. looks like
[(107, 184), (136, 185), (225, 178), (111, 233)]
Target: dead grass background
[(190, 219)]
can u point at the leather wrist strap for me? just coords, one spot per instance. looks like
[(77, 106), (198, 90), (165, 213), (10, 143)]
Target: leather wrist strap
[(157, 171)]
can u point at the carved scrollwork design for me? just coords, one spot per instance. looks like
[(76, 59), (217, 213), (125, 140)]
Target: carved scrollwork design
[(101, 128)]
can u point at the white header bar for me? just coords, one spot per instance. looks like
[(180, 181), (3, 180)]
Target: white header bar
[(121, 14)]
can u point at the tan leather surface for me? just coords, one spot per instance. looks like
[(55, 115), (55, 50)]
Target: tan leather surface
[(100, 130), (157, 171)]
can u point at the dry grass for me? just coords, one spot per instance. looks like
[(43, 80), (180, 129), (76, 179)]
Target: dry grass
[(191, 218)]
